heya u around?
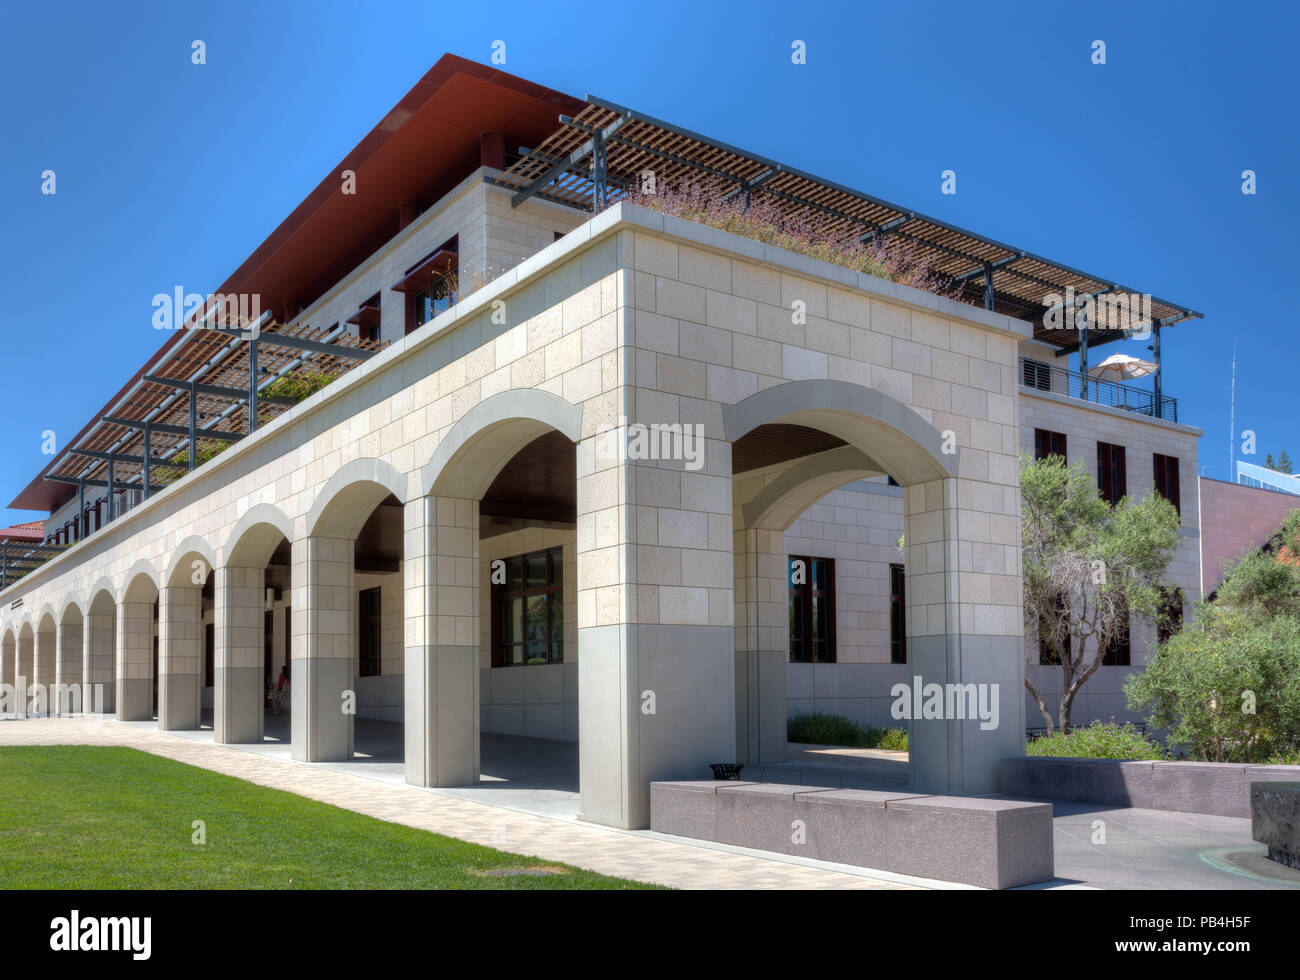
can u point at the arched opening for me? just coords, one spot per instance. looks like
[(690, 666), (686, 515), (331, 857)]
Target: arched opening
[(46, 660), (71, 696), (492, 683), (850, 579), (137, 646), (185, 633), (349, 614), (249, 632), (99, 651)]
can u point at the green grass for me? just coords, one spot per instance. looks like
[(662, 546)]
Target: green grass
[(94, 817), (828, 729)]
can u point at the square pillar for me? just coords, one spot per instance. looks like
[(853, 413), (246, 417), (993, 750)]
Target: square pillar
[(67, 670), (324, 646), (134, 671), (656, 675), (441, 597), (239, 688), (762, 644), (964, 634), (98, 662), (26, 671), (180, 657)]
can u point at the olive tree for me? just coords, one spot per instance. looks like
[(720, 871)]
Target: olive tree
[(1087, 566)]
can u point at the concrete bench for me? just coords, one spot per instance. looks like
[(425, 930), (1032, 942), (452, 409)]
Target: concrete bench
[(1275, 820), (985, 841), (1219, 788)]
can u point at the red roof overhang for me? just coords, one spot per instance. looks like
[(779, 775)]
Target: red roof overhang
[(420, 150)]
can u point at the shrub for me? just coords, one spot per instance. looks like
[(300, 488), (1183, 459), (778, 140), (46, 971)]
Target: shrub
[(1100, 740), (1226, 686), (299, 386), (827, 729)]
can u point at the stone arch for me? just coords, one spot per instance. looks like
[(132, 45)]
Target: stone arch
[(487, 437), (348, 497), (143, 568), (256, 535), (781, 501), (103, 586), (71, 605), (180, 570), (906, 446)]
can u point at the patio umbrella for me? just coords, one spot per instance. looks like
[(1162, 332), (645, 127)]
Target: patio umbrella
[(1122, 367)]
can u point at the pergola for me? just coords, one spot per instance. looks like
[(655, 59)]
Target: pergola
[(595, 155)]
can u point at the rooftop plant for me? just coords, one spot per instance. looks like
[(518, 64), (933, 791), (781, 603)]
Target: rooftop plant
[(765, 219)]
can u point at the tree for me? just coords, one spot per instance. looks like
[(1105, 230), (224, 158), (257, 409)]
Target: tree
[(1225, 685), (1087, 566), (1284, 463), (1268, 462)]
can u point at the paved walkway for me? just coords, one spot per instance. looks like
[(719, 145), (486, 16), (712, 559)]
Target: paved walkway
[(641, 855)]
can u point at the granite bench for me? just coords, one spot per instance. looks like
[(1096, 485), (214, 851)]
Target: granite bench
[(985, 841), (1219, 788)]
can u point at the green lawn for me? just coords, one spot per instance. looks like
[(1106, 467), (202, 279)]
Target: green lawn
[(92, 817)]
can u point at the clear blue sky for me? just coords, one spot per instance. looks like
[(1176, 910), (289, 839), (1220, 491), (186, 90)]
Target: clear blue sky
[(170, 173)]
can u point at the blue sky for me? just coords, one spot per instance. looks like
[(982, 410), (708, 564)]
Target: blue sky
[(171, 173)]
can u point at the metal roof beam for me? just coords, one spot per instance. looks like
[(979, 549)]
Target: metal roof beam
[(990, 266), (300, 343), (153, 488), (174, 430), (219, 391), (568, 162)]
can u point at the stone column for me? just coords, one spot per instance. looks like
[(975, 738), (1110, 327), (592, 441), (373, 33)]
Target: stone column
[(67, 670), (239, 692), (99, 660), (965, 640), (441, 579), (324, 648), (45, 668), (9, 672), (134, 671), (762, 644), (180, 657), (656, 671), (26, 670)]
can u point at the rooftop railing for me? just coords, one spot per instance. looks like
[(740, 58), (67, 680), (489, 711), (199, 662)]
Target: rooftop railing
[(1041, 376)]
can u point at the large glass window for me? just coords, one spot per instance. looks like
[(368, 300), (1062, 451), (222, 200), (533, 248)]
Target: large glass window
[(1048, 443), (1166, 479), (528, 609), (1111, 473), (812, 609)]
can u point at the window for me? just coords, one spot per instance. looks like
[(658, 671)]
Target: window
[(1117, 653), (1048, 443), (429, 302), (812, 610), (1046, 655), (528, 609), (368, 632), (209, 653), (1166, 479), (1111, 478), (897, 616), (1034, 374), (1171, 614)]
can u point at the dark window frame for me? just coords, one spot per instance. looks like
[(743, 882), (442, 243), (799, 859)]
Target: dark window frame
[(1165, 476), (370, 632), (503, 654), (1048, 443), (1112, 472), (803, 648), (897, 614), (1119, 652)]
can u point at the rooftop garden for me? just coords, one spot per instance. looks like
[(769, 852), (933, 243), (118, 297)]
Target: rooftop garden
[(766, 220)]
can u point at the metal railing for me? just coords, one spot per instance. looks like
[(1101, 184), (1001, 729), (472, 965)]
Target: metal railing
[(1040, 376)]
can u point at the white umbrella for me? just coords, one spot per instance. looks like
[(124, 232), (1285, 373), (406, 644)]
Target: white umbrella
[(1122, 367)]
